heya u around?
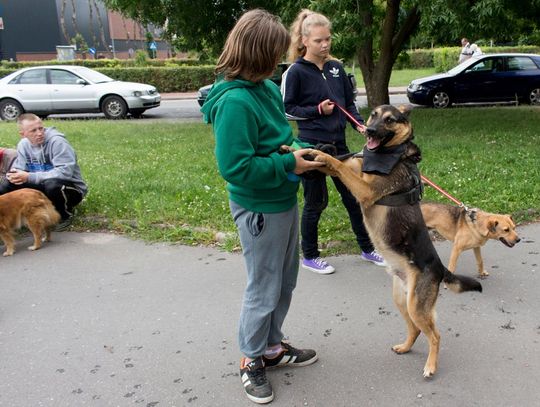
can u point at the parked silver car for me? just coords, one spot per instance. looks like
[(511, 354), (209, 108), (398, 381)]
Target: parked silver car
[(45, 90)]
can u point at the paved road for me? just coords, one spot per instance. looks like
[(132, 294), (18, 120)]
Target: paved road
[(184, 107), (100, 320)]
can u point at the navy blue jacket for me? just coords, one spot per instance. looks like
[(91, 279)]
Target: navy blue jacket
[(304, 86)]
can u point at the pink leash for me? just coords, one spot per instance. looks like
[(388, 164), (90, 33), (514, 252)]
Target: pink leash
[(425, 179)]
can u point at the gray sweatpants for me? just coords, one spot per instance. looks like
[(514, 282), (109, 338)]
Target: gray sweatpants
[(270, 247)]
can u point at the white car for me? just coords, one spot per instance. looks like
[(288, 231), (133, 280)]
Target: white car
[(51, 89)]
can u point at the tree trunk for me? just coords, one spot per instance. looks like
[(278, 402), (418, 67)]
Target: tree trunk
[(63, 21), (376, 73), (91, 21), (100, 23), (74, 17)]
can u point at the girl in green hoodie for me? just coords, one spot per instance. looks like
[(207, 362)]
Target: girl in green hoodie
[(248, 118)]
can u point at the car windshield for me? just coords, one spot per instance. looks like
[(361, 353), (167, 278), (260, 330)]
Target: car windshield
[(461, 67), (91, 75)]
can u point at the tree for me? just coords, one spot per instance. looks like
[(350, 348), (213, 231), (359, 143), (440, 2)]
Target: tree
[(202, 23), (371, 32)]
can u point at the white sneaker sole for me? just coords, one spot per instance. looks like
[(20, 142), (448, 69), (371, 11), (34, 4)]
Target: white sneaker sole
[(264, 400), (329, 270)]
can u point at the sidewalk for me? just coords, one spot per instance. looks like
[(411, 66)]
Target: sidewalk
[(193, 95), (96, 319)]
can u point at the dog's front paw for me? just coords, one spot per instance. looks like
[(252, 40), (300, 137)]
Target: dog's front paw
[(33, 247), (429, 370), (401, 348), (8, 253), (483, 274), (328, 160)]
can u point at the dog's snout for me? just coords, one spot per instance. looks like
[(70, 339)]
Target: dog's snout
[(371, 131)]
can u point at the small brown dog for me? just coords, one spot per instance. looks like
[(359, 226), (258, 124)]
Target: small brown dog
[(469, 229), (26, 207)]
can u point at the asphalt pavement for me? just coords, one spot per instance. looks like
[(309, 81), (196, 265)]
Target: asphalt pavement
[(396, 90), (97, 319)]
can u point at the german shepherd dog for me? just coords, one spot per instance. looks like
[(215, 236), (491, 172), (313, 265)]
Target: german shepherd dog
[(26, 207), (469, 229), (386, 182)]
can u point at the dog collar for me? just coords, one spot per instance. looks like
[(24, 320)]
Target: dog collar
[(383, 160)]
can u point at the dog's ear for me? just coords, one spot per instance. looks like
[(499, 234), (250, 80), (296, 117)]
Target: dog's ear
[(492, 225), (511, 220), (486, 225), (405, 110)]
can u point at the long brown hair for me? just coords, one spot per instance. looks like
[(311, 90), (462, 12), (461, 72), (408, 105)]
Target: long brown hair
[(301, 27), (254, 47)]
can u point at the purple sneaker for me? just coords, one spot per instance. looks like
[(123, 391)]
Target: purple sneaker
[(318, 265), (373, 257)]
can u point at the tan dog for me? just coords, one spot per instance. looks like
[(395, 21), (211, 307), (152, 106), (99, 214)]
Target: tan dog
[(386, 182), (469, 229), (26, 207)]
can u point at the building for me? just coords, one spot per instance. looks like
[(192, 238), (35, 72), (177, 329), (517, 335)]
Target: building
[(32, 30)]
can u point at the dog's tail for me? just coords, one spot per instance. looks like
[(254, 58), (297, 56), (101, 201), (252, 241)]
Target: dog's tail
[(459, 284)]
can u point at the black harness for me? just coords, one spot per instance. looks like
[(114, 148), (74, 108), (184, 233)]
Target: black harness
[(410, 197), (399, 198)]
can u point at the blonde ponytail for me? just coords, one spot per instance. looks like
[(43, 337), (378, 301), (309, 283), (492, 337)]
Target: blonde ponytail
[(301, 27)]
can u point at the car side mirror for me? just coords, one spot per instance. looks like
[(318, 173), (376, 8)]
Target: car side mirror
[(81, 82)]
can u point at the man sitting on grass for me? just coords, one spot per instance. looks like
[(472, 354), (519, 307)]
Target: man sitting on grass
[(46, 162)]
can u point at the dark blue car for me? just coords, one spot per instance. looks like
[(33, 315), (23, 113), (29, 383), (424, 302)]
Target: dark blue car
[(487, 78)]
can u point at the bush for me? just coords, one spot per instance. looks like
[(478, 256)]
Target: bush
[(443, 59), (165, 79), (175, 79), (104, 63)]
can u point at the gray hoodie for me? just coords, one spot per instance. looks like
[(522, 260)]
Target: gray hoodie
[(55, 158)]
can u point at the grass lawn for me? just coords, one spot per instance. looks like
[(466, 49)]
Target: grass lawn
[(400, 77), (158, 180)]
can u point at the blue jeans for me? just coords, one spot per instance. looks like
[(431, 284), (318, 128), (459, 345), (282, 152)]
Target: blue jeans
[(316, 200), (270, 249)]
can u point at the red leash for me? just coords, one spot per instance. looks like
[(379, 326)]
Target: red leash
[(425, 179), (443, 192)]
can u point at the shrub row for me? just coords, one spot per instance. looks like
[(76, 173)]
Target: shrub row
[(443, 59), (105, 63), (165, 79)]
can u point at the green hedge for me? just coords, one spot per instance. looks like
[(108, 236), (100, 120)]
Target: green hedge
[(105, 63), (165, 79), (180, 79), (443, 59)]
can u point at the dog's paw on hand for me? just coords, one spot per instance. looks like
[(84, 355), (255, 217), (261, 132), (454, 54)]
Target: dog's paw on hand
[(284, 149), (329, 149), (322, 157)]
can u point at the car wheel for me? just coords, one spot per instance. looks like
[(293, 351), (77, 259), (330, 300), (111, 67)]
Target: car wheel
[(114, 107), (10, 110), (441, 99), (137, 113), (534, 96)]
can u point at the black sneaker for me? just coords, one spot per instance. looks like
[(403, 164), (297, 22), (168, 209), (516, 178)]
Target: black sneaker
[(291, 357), (256, 385), (64, 224)]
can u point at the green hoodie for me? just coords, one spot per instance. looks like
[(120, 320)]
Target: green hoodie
[(249, 126)]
